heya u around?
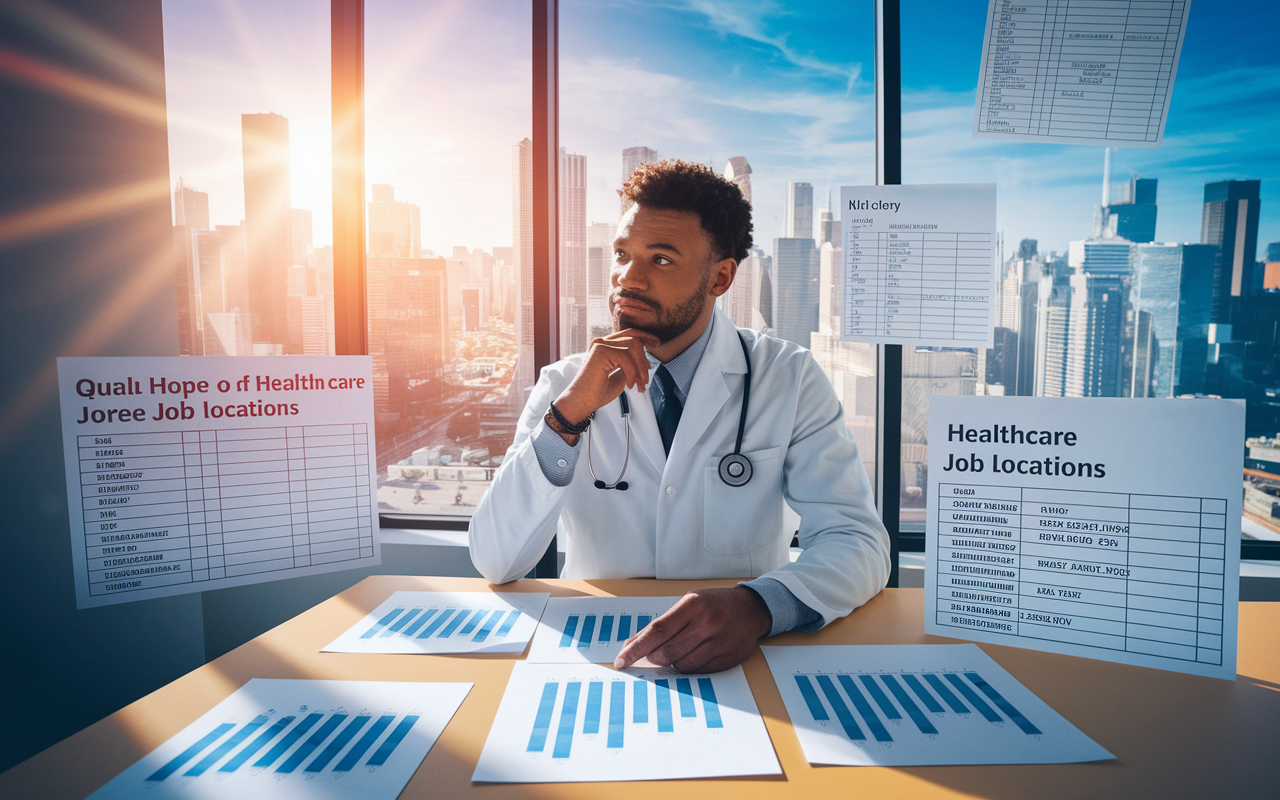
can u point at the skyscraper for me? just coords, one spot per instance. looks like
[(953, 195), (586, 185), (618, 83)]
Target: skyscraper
[(1230, 222), (600, 236), (1095, 346), (797, 214), (739, 171), (1135, 218), (265, 141), (300, 222), (408, 331), (190, 208), (573, 253), (1173, 283), (522, 240), (827, 230), (633, 157), (395, 227), (795, 289)]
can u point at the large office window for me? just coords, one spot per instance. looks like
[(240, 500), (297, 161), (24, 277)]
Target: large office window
[(779, 98), (448, 112), (1149, 281), (247, 88)]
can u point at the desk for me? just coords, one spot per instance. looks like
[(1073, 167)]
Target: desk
[(1174, 735)]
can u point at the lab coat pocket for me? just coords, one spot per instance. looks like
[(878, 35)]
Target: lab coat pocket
[(739, 519)]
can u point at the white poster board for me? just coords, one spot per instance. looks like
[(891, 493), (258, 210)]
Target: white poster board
[(1100, 527), (1079, 73), (290, 739), (919, 264), (445, 622), (187, 474), (918, 705)]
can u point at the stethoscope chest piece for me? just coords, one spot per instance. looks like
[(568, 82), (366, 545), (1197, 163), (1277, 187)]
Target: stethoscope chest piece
[(735, 469)]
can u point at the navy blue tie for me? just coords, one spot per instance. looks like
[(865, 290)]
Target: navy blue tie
[(669, 417)]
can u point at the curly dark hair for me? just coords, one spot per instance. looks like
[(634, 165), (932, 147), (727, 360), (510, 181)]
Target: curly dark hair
[(675, 185)]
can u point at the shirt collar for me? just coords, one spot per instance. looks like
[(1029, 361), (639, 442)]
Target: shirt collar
[(683, 366)]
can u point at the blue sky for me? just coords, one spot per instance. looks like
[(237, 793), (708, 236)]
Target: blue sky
[(788, 85)]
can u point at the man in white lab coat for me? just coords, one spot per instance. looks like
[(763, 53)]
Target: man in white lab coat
[(682, 367)]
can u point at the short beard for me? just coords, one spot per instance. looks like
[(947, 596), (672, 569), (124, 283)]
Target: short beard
[(669, 324)]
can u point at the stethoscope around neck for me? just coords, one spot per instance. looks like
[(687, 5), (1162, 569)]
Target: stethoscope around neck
[(735, 468)]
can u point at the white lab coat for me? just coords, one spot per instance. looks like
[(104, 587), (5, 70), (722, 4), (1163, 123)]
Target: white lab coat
[(678, 520)]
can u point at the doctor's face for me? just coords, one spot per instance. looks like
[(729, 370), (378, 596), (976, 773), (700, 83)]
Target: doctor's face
[(662, 272)]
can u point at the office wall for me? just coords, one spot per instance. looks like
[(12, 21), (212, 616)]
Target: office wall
[(85, 270)]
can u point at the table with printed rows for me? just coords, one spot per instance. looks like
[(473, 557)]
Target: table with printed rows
[(204, 505), (1139, 573)]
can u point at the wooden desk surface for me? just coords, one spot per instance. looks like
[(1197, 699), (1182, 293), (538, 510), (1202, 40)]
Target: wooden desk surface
[(1174, 735)]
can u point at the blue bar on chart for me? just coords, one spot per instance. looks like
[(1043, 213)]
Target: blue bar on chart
[(878, 695), (847, 721), (588, 628), (975, 701), (353, 755), (221, 750), (710, 708), (420, 621), (473, 622), (917, 716), (1003, 704), (570, 627), (640, 697), (487, 628), (435, 624), (282, 746), (923, 694), (662, 696), (642, 620), (382, 623), (400, 623), (685, 691), (542, 721), (617, 712), (257, 744), (606, 628), (331, 750), (190, 753), (509, 622), (454, 623), (877, 727), (309, 746), (624, 628), (568, 714), (811, 698), (947, 697), (595, 698), (393, 741)]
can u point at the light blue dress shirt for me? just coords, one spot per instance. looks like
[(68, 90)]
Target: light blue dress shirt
[(558, 459)]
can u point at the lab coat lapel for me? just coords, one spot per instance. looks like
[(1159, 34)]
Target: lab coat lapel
[(710, 388), (644, 428)]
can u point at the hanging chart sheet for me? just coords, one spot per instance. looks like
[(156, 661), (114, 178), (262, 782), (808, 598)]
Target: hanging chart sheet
[(446, 622), (1099, 527), (561, 723), (189, 474), (592, 630), (918, 705), (1079, 73), (919, 264), (286, 739)]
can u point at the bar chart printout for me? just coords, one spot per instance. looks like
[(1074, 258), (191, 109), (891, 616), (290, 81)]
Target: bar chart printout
[(277, 739), (592, 630), (1080, 526), (585, 722), (919, 264), (446, 622), (918, 705), (1079, 72)]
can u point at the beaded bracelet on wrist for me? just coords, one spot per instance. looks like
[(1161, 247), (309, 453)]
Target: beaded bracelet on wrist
[(570, 427)]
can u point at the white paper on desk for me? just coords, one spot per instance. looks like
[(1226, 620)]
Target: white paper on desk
[(919, 264), (918, 705), (1099, 527), (295, 739), (445, 622), (560, 723), (1091, 73), (592, 630)]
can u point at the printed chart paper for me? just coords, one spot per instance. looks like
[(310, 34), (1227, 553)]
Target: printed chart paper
[(919, 264), (446, 622), (918, 705), (1079, 73), (294, 739), (1099, 527), (584, 722), (189, 474), (592, 630)]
